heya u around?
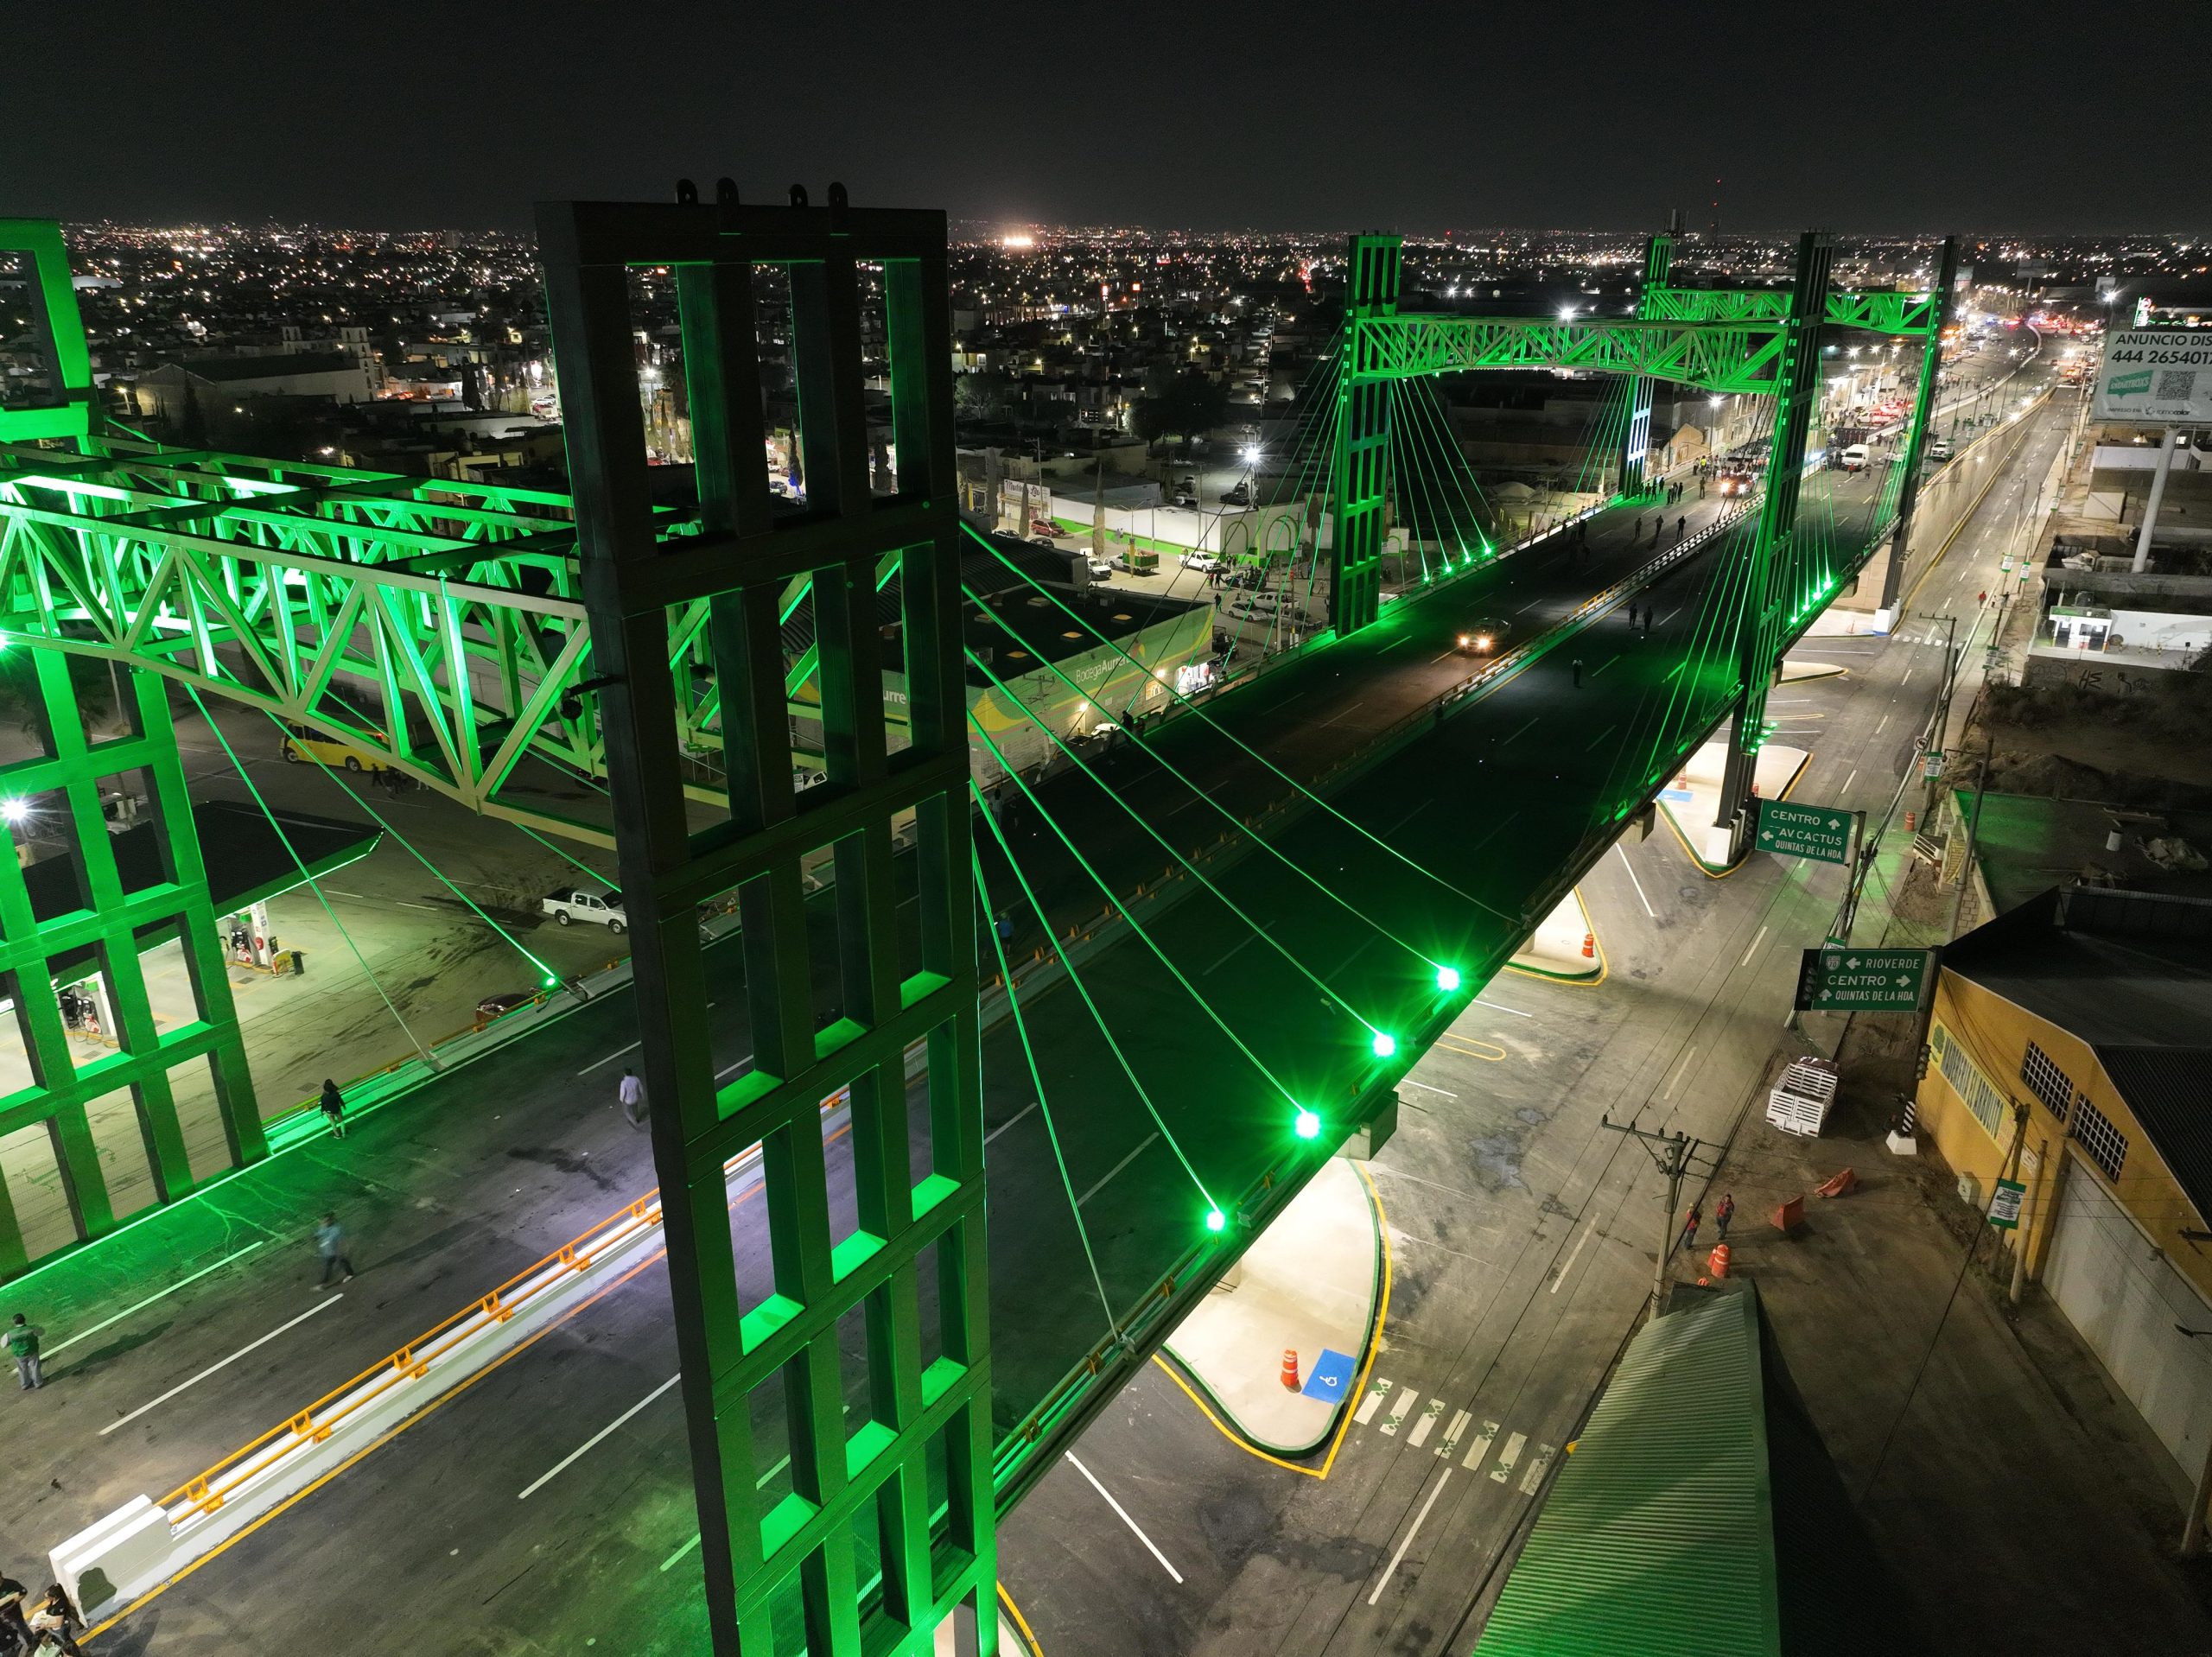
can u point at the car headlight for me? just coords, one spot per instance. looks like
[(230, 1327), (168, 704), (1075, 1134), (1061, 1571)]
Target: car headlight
[(1482, 641)]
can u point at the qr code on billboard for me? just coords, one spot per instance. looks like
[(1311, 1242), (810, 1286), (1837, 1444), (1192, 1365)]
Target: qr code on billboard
[(2176, 384)]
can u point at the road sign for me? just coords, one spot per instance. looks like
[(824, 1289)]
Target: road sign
[(2004, 1204), (1863, 980), (1931, 763), (1826, 834)]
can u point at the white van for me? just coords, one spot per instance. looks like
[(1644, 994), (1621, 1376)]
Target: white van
[(1854, 458)]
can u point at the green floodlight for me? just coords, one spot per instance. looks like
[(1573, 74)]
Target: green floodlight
[(1215, 1220), (1384, 1044), (549, 981), (1447, 979), (1308, 1124)]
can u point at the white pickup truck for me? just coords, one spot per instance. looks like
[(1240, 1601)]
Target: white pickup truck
[(601, 904)]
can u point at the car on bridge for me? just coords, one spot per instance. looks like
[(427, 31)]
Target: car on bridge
[(601, 905), (1481, 639)]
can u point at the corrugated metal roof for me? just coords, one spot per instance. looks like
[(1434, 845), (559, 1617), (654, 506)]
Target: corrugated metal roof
[(1658, 1534)]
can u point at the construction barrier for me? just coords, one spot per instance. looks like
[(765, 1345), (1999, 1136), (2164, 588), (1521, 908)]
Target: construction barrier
[(1290, 1370)]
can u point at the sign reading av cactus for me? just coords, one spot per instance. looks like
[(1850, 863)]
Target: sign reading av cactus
[(1825, 833), (2156, 374)]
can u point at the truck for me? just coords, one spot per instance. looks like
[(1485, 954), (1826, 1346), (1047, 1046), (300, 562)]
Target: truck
[(599, 904)]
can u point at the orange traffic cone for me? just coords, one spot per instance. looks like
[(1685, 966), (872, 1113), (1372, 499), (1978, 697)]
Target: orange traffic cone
[(1717, 1261), (1290, 1370), (1842, 1185), (1589, 946), (1908, 821)]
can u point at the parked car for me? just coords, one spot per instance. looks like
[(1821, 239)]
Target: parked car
[(300, 743), (1205, 563), (599, 904), (1240, 495), (493, 1006), (1939, 450)]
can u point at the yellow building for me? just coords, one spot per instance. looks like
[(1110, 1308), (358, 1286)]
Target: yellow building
[(2071, 1049)]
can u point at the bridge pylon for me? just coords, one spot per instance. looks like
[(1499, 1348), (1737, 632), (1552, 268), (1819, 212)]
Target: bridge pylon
[(1635, 440), (1774, 560), (1360, 469), (1924, 408)]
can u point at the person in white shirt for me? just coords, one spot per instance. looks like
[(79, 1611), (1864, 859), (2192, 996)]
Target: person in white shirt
[(630, 1092)]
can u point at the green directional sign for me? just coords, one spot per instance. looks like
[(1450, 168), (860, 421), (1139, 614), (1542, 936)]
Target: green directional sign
[(1825, 833), (1833, 979), (2005, 1204)]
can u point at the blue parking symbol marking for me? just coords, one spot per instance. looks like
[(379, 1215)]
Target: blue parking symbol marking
[(1331, 1379)]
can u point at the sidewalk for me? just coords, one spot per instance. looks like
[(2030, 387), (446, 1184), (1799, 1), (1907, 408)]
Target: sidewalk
[(1308, 1285), (1556, 949), (1692, 801)]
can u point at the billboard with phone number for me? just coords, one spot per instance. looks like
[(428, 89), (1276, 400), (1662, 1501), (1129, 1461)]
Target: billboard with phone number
[(2162, 375)]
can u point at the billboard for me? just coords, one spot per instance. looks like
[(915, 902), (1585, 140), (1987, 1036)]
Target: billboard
[(2161, 375)]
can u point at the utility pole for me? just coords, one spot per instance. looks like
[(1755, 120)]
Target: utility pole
[(1974, 832), (1942, 721), (1671, 1153)]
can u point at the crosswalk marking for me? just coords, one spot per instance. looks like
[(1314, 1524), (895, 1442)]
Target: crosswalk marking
[(1451, 1434), (1534, 1475), (1429, 1418), (1407, 1399), (1507, 1456), (1480, 1448), (1366, 1409)]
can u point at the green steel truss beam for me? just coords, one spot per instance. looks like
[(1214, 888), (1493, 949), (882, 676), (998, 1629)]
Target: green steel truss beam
[(1877, 311), (436, 624), (1724, 357), (57, 333)]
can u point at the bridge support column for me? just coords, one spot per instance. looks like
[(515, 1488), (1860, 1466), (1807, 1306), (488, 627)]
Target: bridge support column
[(95, 927), (861, 1494), (1924, 409), (1635, 440), (1768, 571), (1360, 473)]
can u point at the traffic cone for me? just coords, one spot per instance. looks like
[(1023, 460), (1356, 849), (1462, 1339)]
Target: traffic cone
[(1909, 818), (1717, 1261), (1589, 946), (1290, 1370)]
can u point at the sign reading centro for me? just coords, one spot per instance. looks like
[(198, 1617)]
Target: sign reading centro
[(2156, 374), (1838, 979), (1824, 834)]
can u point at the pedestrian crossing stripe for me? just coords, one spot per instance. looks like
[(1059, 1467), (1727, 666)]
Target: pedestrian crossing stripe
[(1508, 1457), (1534, 1477), (1399, 1411), (1427, 1424), (1480, 1448), (1375, 1395), (1451, 1434)]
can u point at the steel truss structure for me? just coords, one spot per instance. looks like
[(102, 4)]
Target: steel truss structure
[(108, 928), (1724, 357), (862, 1488), (1876, 311)]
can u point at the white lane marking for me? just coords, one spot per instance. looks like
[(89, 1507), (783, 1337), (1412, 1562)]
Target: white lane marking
[(1224, 960), (1117, 1168), (1906, 680), (1507, 1456), (1516, 736), (1391, 1570), (1480, 1448), (85, 1335), (324, 1306), (1009, 1121), (1849, 780), (1600, 737), (1376, 1394), (1574, 1254), (577, 1454), (1407, 1081), (732, 1065), (1534, 1475), (1069, 1456), (610, 1058), (1877, 729), (1633, 881), (1407, 1399), (1427, 1424), (1514, 1011), (1451, 1441), (1753, 950)]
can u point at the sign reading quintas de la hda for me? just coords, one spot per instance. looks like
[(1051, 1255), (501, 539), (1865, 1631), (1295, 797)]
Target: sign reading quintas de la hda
[(1839, 979), (1822, 833), (2156, 374)]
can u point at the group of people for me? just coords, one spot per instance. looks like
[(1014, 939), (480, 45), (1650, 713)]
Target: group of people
[(1723, 1212), (1659, 528), (49, 1623)]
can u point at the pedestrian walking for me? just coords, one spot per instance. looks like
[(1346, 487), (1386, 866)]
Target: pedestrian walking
[(57, 1622), (1631, 618), (1578, 673), (22, 1346), (1723, 1212), (1680, 524), (1690, 1224), (12, 1594), (333, 1108), (330, 1247), (630, 1091)]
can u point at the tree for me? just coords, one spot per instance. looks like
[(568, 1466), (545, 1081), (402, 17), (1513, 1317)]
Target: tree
[(980, 396), (1188, 406)]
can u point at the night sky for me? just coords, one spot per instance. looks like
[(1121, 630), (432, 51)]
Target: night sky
[(1859, 117)]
